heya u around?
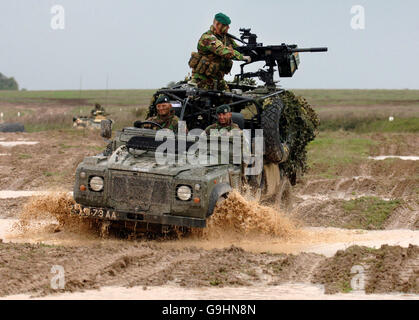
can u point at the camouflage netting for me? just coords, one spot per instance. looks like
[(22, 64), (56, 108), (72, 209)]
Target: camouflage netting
[(298, 126)]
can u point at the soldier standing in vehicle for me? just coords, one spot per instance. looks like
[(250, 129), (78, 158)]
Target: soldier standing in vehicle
[(216, 50), (97, 110), (224, 123), (165, 115)]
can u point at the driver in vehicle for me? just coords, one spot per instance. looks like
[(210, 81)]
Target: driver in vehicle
[(165, 115)]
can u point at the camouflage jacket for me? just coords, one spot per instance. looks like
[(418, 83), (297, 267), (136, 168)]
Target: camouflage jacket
[(170, 123), (217, 126), (220, 50), (217, 46)]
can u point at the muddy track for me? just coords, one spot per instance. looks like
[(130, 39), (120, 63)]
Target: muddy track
[(390, 268), (50, 164), (319, 202), (274, 256)]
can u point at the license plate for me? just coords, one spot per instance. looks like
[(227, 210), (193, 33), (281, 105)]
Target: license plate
[(95, 212)]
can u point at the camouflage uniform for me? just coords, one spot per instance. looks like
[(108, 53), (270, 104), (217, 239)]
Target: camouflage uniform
[(171, 122), (213, 60), (218, 126)]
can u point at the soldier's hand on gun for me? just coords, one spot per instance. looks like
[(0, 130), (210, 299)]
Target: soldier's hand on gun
[(247, 59)]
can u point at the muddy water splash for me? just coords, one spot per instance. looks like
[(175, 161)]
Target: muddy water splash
[(49, 212), (238, 217)]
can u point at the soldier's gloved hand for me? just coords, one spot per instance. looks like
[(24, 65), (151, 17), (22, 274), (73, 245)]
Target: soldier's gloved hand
[(247, 59)]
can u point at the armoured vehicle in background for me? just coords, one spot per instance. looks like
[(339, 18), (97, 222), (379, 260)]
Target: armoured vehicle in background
[(97, 115), (88, 122), (126, 186)]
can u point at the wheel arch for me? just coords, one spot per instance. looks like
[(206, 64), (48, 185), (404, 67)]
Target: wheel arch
[(219, 190)]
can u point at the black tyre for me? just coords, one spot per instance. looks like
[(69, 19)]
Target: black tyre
[(255, 187), (274, 151), (282, 199)]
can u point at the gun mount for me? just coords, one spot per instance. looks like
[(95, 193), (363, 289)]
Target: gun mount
[(284, 57)]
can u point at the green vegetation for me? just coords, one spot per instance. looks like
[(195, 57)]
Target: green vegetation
[(215, 282), (359, 111), (45, 245), (332, 152), (370, 124), (345, 286), (83, 97), (25, 156), (64, 146), (51, 174), (369, 212), (8, 83), (316, 97), (358, 97)]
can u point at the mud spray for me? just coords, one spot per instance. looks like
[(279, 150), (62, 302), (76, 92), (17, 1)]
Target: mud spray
[(235, 218), (50, 214), (239, 217)]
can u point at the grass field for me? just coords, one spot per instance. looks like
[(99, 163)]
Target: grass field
[(350, 110), (316, 97), (71, 97)]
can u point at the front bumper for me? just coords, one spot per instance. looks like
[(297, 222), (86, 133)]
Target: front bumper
[(112, 215)]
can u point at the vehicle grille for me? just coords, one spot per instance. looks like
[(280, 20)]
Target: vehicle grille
[(139, 192)]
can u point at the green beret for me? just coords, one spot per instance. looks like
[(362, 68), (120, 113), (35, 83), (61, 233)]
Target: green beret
[(223, 108), (162, 99), (222, 18)]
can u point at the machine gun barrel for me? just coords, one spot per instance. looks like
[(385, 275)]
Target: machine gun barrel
[(283, 58), (320, 49)]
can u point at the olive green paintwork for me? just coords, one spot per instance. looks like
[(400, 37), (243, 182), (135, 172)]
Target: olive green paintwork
[(139, 172)]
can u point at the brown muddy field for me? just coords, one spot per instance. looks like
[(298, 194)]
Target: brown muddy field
[(246, 245)]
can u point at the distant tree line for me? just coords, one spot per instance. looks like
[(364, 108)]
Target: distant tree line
[(8, 83)]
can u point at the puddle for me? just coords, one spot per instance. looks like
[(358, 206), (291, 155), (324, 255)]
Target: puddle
[(414, 158), (339, 239), (6, 227), (17, 143), (337, 196), (10, 194), (291, 291), (321, 240)]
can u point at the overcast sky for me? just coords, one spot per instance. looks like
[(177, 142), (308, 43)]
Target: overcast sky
[(146, 44)]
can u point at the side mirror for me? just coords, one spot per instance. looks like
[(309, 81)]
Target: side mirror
[(106, 129)]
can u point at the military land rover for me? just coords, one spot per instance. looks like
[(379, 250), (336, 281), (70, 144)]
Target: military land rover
[(125, 185)]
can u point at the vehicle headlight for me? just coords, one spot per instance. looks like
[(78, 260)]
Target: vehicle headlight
[(184, 193), (96, 183)]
